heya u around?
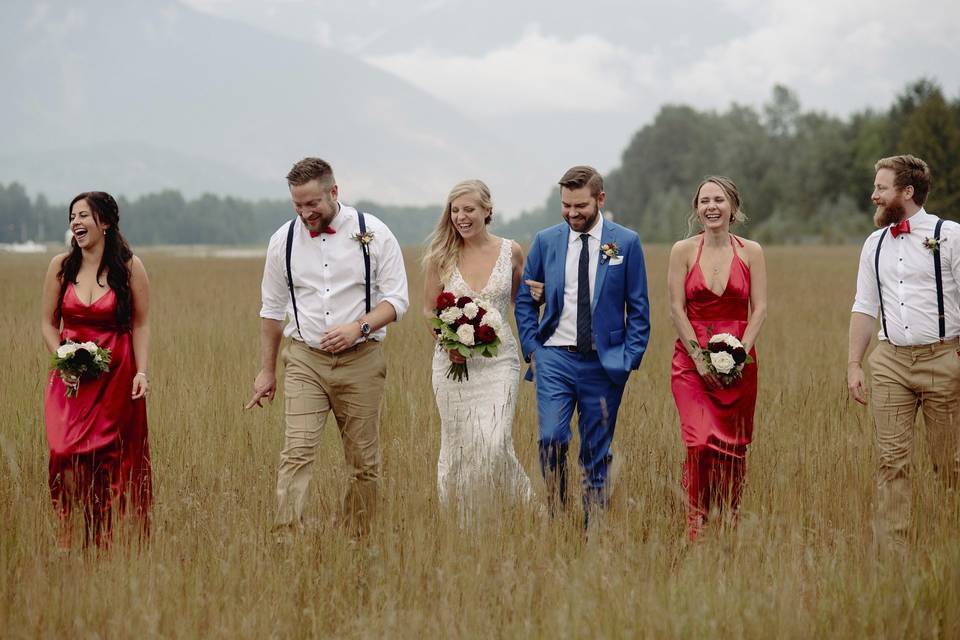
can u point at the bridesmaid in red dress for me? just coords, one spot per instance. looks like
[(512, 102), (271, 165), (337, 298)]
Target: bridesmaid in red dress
[(99, 455), (718, 284)]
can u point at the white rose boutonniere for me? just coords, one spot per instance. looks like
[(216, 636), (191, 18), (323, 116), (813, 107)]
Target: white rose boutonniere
[(933, 244)]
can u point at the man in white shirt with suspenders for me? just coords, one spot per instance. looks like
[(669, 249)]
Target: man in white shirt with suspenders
[(908, 276), (337, 274)]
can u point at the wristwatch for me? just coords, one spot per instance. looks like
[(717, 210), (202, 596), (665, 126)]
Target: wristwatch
[(364, 328)]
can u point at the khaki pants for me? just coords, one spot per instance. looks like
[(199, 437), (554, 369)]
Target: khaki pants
[(351, 385), (904, 378)]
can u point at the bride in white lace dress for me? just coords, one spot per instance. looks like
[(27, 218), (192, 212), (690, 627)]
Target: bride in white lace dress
[(477, 459)]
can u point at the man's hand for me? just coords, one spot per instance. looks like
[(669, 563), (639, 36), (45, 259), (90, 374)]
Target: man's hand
[(856, 383), (536, 290), (264, 386), (340, 338)]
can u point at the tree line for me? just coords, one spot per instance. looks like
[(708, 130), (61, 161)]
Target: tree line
[(805, 176)]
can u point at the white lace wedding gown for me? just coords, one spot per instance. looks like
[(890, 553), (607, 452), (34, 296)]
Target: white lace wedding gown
[(477, 458)]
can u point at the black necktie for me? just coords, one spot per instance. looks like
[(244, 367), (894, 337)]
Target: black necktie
[(584, 341)]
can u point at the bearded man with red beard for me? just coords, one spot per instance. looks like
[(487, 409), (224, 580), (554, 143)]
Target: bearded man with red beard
[(908, 277)]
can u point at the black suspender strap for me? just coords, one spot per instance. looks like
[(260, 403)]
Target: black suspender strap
[(876, 268), (939, 276), (293, 297), (366, 266), (366, 256)]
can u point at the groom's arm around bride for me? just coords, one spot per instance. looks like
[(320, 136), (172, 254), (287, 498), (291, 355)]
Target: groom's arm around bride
[(583, 331)]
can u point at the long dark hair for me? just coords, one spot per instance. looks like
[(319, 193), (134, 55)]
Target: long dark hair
[(116, 255)]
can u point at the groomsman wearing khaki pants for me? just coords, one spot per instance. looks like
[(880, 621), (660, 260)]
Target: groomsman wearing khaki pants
[(909, 277), (337, 277)]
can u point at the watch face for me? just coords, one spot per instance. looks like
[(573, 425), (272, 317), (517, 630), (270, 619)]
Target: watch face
[(365, 328)]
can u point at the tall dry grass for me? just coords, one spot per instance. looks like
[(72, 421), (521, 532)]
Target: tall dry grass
[(800, 564)]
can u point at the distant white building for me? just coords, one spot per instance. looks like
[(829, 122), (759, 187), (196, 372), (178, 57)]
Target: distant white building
[(24, 247)]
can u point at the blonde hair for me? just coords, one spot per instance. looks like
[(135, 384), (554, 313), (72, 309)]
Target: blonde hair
[(443, 245), (733, 196)]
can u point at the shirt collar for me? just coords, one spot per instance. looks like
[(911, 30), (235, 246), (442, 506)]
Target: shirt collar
[(594, 231), (339, 218), (919, 219)]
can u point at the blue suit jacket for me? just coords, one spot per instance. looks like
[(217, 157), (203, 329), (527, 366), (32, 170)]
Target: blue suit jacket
[(620, 310)]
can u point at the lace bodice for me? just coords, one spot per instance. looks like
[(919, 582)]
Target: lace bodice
[(498, 289)]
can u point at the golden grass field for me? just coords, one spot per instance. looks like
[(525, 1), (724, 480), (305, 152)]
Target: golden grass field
[(800, 565)]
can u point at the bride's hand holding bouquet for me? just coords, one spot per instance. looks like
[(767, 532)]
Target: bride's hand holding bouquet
[(465, 327)]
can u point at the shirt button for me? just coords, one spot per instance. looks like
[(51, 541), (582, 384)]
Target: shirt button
[(326, 265)]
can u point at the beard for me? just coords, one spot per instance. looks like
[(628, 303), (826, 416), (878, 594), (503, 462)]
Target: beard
[(890, 214)]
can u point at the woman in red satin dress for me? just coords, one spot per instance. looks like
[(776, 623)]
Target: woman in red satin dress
[(718, 284), (99, 454)]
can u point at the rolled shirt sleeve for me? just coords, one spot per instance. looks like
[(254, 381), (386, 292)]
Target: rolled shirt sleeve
[(867, 299), (949, 239), (391, 278), (274, 294)]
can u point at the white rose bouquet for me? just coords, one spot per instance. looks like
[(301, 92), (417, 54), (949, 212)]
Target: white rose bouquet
[(725, 357), (467, 326), (77, 360)]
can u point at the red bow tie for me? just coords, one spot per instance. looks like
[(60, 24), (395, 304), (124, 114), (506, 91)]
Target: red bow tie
[(902, 227), (331, 231)]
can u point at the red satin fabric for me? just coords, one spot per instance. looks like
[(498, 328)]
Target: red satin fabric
[(714, 482), (99, 451), (720, 419)]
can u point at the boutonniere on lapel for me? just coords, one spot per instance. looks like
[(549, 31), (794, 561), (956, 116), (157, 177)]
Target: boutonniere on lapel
[(363, 238), (933, 244), (609, 250)]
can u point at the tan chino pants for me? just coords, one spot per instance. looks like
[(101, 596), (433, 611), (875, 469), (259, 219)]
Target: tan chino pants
[(903, 379), (351, 385)]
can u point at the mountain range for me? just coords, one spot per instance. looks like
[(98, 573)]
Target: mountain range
[(137, 96)]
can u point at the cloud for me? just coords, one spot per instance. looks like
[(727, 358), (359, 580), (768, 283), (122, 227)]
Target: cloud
[(833, 52), (838, 56), (536, 73)]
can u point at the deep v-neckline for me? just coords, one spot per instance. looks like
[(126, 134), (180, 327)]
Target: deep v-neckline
[(703, 276), (496, 263), (92, 302)]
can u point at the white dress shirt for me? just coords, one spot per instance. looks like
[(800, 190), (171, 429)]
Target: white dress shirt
[(328, 276), (566, 333), (909, 284)]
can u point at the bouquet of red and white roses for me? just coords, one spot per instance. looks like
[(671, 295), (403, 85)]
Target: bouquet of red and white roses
[(468, 326), (725, 357), (77, 360)]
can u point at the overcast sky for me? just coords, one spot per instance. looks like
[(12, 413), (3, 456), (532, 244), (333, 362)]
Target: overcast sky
[(507, 57)]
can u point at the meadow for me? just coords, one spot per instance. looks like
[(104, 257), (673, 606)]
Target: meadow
[(800, 565)]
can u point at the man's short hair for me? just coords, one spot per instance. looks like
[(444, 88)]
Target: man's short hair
[(909, 171), (583, 176), (310, 169)]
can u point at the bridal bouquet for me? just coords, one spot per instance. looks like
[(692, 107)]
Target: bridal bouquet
[(467, 326), (725, 357), (76, 360)]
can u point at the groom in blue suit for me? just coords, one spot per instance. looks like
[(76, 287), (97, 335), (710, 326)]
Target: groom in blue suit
[(588, 276)]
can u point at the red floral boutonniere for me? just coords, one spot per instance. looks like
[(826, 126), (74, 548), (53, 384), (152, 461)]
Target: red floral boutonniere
[(609, 250)]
